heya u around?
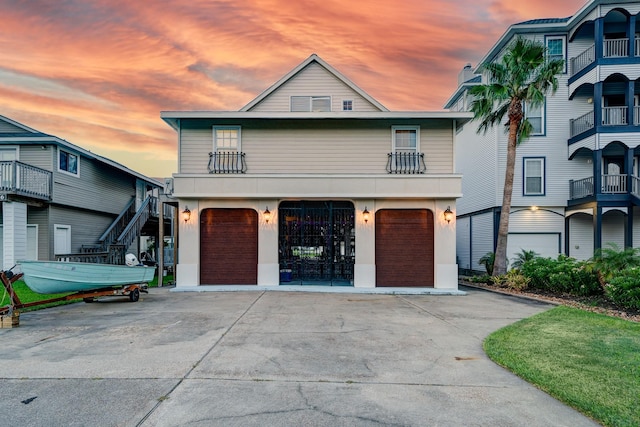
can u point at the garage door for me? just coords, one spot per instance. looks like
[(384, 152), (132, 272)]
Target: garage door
[(544, 244), (404, 247), (229, 247)]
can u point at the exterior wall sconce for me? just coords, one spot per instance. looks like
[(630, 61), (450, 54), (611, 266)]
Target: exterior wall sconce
[(365, 215), (267, 215), (448, 214), (534, 208), (186, 214)]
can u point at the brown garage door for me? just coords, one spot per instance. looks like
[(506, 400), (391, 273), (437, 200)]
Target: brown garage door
[(228, 247), (404, 247)]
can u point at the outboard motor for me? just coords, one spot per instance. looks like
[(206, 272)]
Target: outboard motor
[(131, 260)]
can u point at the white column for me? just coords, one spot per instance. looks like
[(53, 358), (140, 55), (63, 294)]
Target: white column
[(188, 267), (364, 274), (268, 263), (446, 274), (14, 243)]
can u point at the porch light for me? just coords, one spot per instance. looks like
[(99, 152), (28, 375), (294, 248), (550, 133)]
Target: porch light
[(186, 214), (267, 215), (448, 214), (365, 215), (534, 208)]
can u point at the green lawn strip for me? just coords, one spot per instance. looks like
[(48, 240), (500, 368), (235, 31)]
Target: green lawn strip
[(587, 360)]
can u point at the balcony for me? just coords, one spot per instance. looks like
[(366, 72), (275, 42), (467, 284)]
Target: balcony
[(611, 48), (610, 185), (227, 162), (24, 180), (406, 163), (611, 116)]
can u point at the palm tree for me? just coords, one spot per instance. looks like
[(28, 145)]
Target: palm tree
[(522, 76)]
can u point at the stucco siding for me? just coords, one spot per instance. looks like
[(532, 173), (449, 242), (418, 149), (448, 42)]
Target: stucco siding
[(313, 80)]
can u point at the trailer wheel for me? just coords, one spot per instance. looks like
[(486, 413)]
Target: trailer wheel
[(134, 295)]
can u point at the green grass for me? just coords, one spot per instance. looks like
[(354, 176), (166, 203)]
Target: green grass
[(26, 295), (587, 360)]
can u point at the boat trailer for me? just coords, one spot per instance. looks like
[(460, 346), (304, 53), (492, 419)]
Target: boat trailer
[(10, 314)]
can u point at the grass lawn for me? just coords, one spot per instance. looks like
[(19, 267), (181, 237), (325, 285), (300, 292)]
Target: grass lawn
[(26, 295), (587, 360)]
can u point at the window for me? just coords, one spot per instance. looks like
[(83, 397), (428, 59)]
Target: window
[(347, 105), (68, 162), (556, 49), (534, 176), (226, 138), (405, 139), (535, 115), (8, 154), (310, 103)]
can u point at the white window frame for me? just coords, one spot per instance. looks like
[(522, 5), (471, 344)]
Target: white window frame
[(563, 39), (542, 117), (215, 138), (310, 99), (394, 130), (77, 173), (347, 102), (14, 148), (525, 176)]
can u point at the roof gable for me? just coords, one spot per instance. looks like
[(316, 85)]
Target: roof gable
[(293, 81), (8, 126)]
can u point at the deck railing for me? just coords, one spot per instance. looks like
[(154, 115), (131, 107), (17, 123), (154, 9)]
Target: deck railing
[(637, 47), (581, 124), (635, 186), (580, 188), (406, 163), (25, 180), (612, 116), (614, 184), (227, 162), (614, 48), (583, 60)]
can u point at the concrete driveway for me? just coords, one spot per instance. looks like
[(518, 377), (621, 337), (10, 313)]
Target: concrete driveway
[(269, 359)]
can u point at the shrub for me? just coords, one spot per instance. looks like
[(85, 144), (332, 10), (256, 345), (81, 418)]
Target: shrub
[(513, 279), (561, 275), (608, 262), (488, 260), (522, 257), (624, 288)]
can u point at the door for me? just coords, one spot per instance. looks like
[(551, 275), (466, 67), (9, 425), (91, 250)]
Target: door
[(404, 248), (317, 242), (61, 239), (228, 247)]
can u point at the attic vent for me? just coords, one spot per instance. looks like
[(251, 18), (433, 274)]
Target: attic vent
[(310, 103)]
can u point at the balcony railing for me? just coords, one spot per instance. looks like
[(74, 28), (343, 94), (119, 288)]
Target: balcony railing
[(637, 47), (406, 163), (580, 188), (227, 162), (25, 180), (614, 184), (612, 116), (615, 48), (635, 186), (582, 124), (583, 60), (610, 184)]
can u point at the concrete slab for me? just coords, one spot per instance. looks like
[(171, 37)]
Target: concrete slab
[(269, 358)]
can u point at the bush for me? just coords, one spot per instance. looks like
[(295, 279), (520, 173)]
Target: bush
[(624, 288), (488, 260), (561, 275), (513, 279)]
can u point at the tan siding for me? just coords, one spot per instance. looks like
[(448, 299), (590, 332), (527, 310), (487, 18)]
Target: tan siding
[(314, 80), (292, 147)]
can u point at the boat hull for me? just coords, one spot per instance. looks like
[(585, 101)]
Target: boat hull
[(53, 277)]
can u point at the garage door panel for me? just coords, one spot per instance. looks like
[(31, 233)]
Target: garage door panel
[(404, 247), (229, 247), (544, 244)]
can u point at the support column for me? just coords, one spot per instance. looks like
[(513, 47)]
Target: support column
[(628, 235), (364, 273), (597, 106), (14, 243), (597, 172), (631, 31), (598, 32), (597, 227)]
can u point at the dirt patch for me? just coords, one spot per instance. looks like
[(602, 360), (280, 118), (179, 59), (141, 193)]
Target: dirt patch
[(594, 304)]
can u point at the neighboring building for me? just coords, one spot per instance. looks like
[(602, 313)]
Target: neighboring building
[(576, 180), (60, 201), (315, 182)]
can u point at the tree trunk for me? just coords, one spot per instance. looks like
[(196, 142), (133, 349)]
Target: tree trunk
[(515, 117)]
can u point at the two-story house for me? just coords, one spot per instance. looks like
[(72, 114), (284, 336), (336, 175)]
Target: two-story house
[(576, 185), (316, 182), (60, 201)]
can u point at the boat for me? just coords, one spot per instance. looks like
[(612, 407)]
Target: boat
[(53, 277)]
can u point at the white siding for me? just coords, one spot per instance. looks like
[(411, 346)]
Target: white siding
[(482, 238), (636, 227), (545, 245), (581, 236), (613, 229), (463, 241), (314, 80)]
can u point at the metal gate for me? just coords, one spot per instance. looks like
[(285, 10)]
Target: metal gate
[(317, 242)]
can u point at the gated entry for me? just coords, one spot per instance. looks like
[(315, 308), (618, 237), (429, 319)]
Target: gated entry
[(317, 242)]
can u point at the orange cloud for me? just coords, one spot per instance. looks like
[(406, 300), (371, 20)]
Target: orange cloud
[(98, 72)]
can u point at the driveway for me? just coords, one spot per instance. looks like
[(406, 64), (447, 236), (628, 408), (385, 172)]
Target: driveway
[(258, 358)]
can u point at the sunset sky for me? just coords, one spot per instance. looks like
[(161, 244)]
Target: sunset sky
[(98, 72)]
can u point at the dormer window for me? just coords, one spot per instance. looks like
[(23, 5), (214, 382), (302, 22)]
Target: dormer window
[(310, 103)]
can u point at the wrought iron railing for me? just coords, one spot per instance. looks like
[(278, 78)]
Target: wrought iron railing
[(612, 116), (406, 163), (581, 124), (580, 188), (227, 162), (25, 180), (583, 60)]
